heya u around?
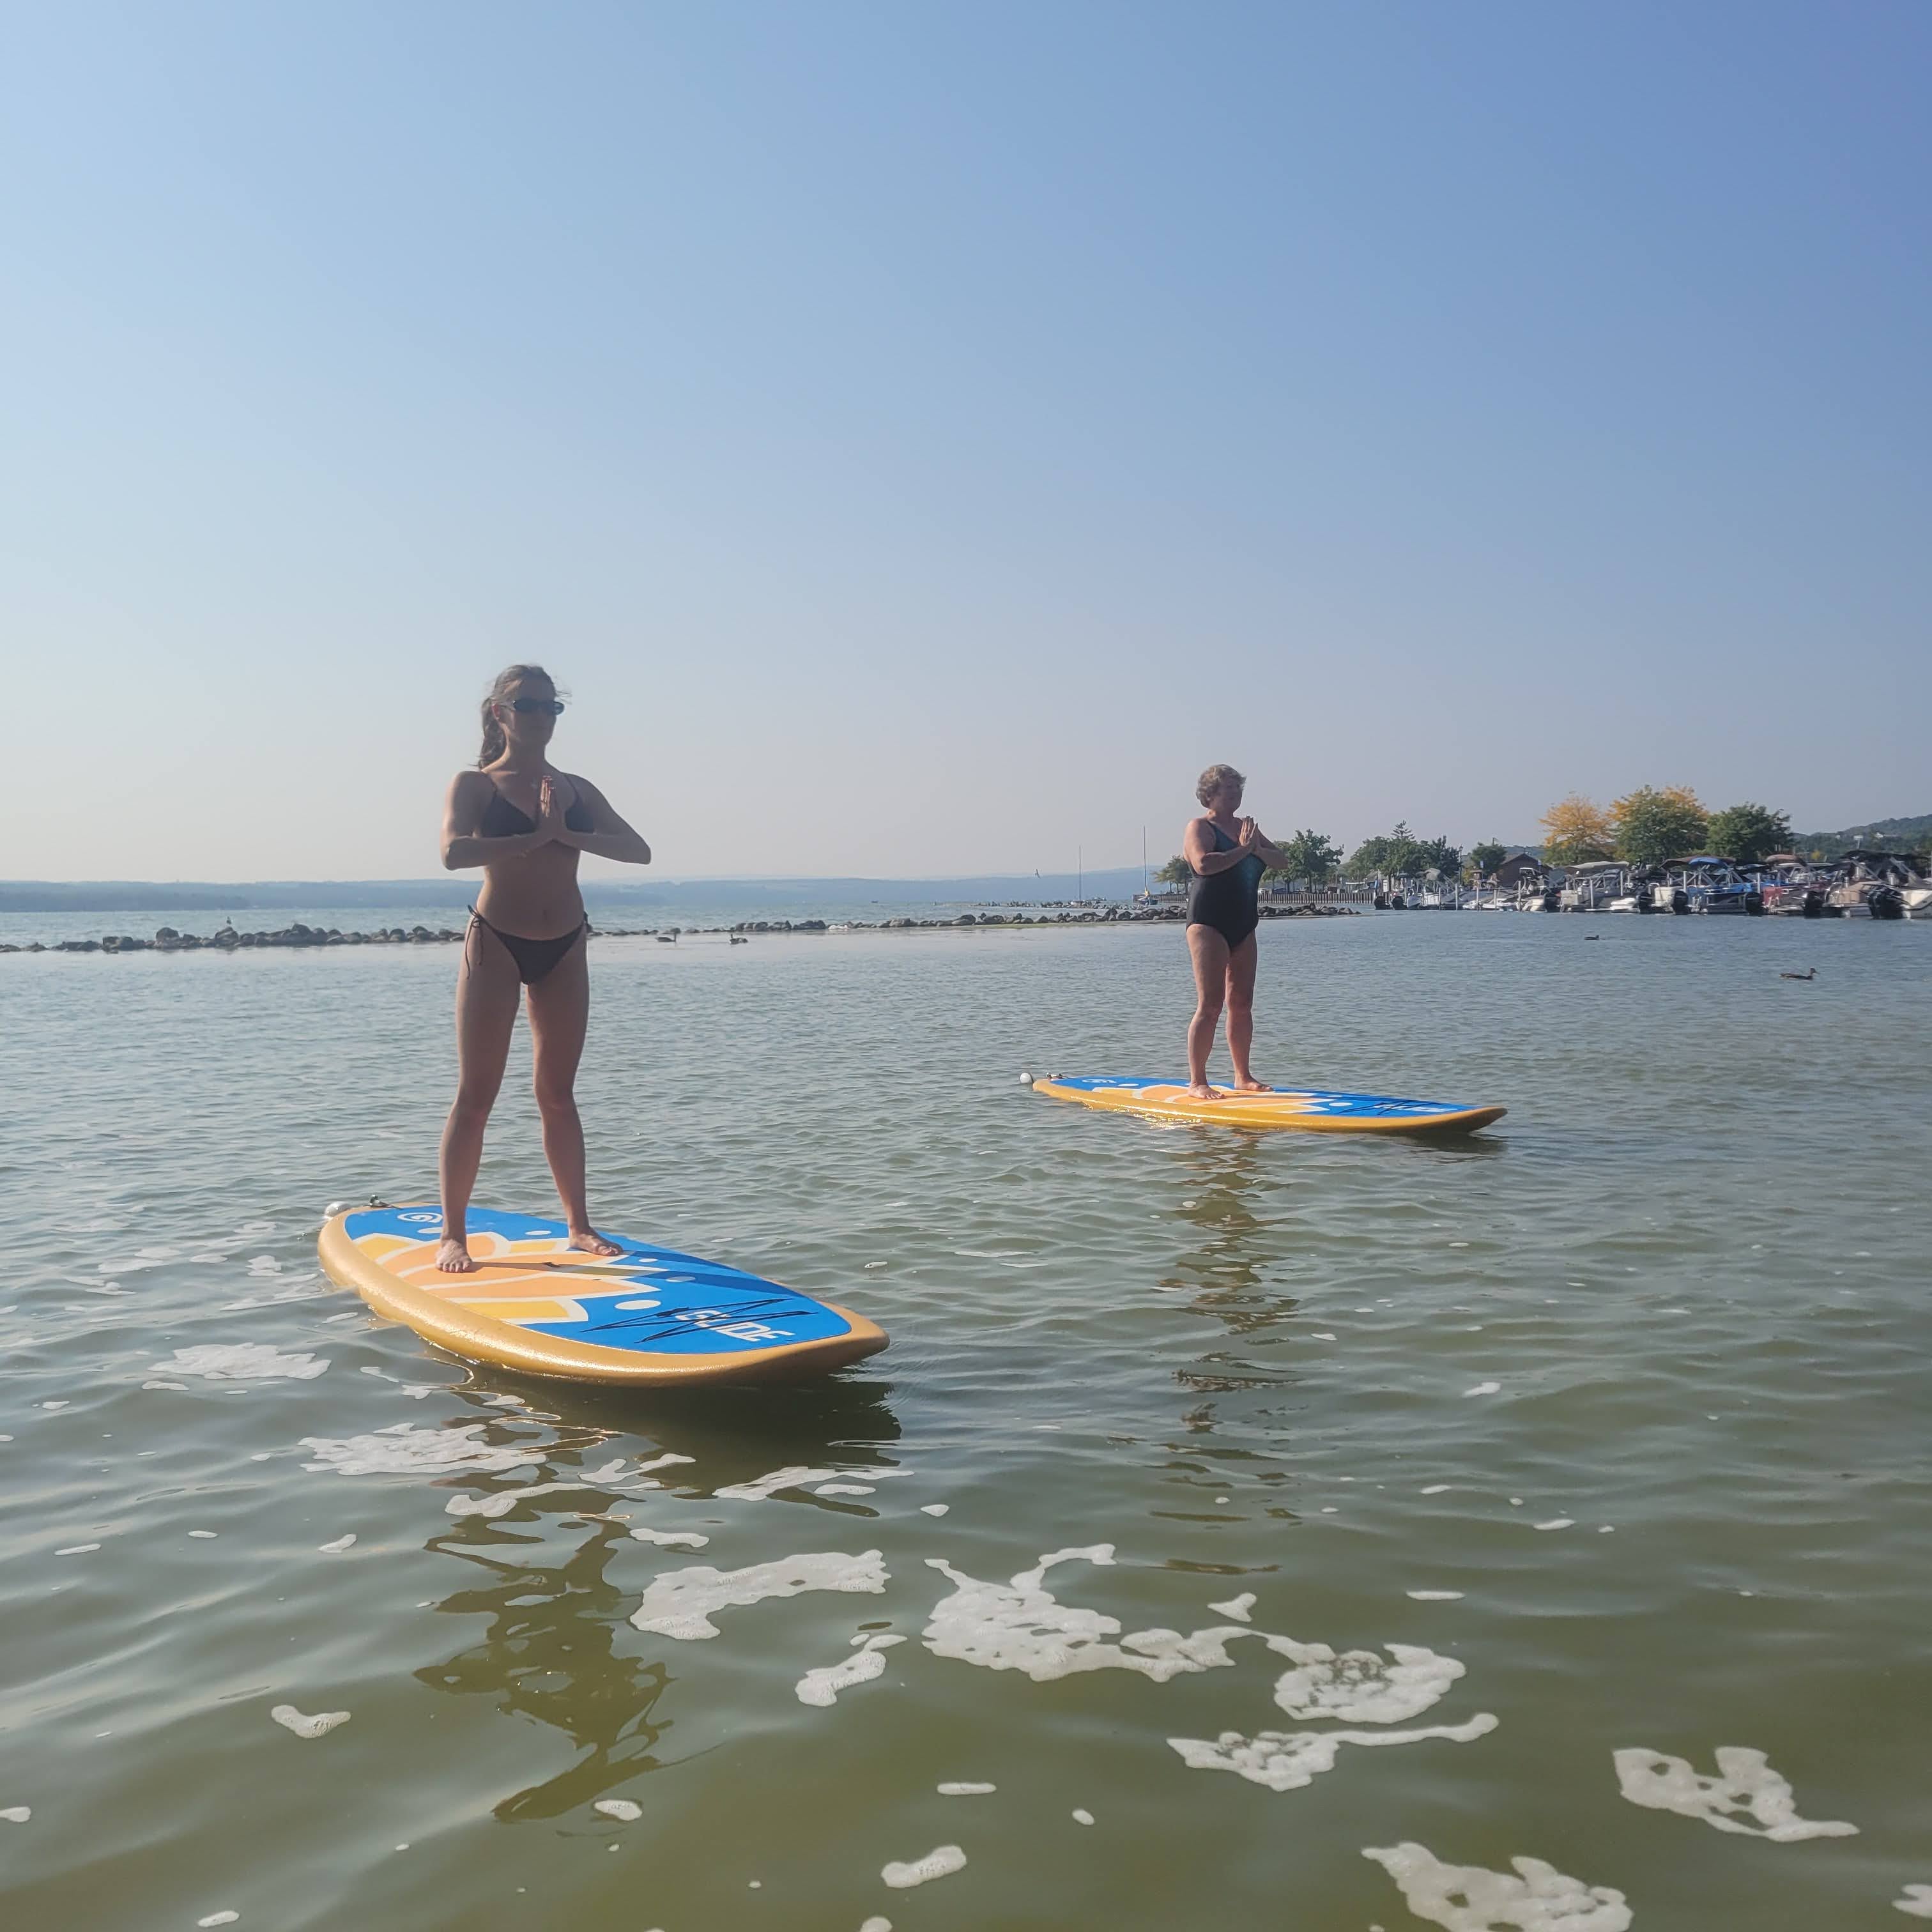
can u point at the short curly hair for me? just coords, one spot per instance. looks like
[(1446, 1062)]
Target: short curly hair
[(1214, 778)]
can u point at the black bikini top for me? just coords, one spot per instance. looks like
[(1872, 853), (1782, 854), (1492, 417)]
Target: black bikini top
[(502, 820)]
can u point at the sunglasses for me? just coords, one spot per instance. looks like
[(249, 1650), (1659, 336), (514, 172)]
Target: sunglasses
[(524, 707)]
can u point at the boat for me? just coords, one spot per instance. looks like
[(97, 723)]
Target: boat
[(1875, 885), (1597, 886), (1707, 884)]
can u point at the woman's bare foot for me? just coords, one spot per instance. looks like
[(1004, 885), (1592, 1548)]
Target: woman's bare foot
[(1200, 1090), (1252, 1085), (592, 1243), (453, 1257)]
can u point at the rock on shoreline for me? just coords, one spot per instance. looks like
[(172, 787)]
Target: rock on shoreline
[(167, 940)]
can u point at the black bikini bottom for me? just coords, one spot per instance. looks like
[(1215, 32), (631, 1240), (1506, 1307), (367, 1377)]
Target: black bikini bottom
[(531, 957)]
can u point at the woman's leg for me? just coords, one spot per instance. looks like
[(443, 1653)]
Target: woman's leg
[(1241, 961), (1209, 953), (559, 1005), (486, 1011)]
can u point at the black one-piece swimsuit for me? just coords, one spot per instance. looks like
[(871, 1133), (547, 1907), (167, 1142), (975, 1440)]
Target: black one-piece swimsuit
[(531, 957), (1227, 902)]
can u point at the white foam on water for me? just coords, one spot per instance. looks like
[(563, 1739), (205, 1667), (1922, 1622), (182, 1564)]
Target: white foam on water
[(415, 1391), (218, 1918), (500, 1502), (934, 1509), (204, 1535), (299, 1291), (1436, 1489), (682, 1604), (795, 1475), (77, 1549), (336, 1548), (51, 1406), (318, 1725), (1557, 1523), (19, 1814), (1745, 1786), (1483, 1388), (148, 1258), (671, 1539), (241, 1361), (960, 1789), (505, 1402), (619, 1807), (1916, 1902), (845, 1489), (821, 1687), (164, 1385), (1236, 1609), (1020, 1626), (1359, 1688), (1467, 1898), (1287, 1760), (402, 1450), (940, 1862), (1081, 1816), (661, 1462), (1435, 1596)]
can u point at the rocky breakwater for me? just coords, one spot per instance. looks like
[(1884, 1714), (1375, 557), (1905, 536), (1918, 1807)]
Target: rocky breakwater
[(167, 940), (228, 940)]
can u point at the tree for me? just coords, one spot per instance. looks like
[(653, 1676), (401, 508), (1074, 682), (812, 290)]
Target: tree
[(1748, 833), (1176, 872), (1391, 853), (1485, 857), (1311, 855), (1653, 826), (1399, 854), (1575, 830)]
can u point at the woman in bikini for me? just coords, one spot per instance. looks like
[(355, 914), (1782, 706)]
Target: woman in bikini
[(1229, 855), (525, 823)]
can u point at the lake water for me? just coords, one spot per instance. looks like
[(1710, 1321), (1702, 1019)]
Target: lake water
[(1614, 1416)]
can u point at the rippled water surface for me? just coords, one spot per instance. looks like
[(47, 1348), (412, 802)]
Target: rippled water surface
[(1615, 1417)]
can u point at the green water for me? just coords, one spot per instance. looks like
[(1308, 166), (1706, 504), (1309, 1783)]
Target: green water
[(1691, 1260)]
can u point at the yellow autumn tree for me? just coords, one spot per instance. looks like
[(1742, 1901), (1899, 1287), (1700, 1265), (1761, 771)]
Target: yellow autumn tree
[(1575, 830)]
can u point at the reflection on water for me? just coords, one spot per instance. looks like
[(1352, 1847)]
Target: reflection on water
[(1603, 1430), (550, 1653)]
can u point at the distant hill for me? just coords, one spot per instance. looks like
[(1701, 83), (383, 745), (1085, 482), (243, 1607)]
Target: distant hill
[(1882, 834)]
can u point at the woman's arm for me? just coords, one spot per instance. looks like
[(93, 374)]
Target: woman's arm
[(462, 844), (612, 838), (1272, 857), (1207, 862)]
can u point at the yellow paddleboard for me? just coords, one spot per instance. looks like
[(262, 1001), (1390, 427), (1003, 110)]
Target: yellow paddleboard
[(1312, 1109), (649, 1316)]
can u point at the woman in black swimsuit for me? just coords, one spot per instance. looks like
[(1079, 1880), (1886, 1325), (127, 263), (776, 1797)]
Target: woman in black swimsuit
[(1229, 855), (524, 822)]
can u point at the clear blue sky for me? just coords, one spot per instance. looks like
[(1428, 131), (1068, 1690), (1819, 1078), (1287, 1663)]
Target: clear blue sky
[(921, 437)]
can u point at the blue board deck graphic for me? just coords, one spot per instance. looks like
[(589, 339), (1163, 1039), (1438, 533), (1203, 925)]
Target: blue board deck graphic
[(1313, 1109), (647, 1314)]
